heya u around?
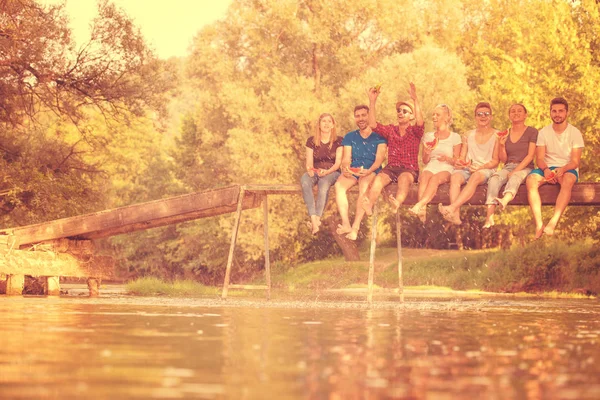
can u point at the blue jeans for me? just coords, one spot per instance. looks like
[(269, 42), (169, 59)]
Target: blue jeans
[(324, 183)]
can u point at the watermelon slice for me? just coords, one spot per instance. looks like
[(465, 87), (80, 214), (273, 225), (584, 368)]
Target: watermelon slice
[(462, 163), (551, 176), (432, 144), (502, 134), (355, 170), (314, 169), (377, 87)]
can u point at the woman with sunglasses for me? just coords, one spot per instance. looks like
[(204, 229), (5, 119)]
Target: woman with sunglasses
[(440, 149), (478, 161), (517, 150), (323, 160)]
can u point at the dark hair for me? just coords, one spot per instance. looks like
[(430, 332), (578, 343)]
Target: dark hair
[(483, 104), (518, 104), (360, 107), (559, 100)]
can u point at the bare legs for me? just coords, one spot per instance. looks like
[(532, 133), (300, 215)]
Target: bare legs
[(534, 181), (341, 188), (428, 186), (380, 181), (452, 212)]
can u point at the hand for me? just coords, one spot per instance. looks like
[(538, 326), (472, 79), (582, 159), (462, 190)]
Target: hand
[(412, 91), (559, 172), (321, 172), (363, 172), (445, 158), (550, 176), (311, 173), (346, 172), (372, 93), (503, 140), (473, 168)]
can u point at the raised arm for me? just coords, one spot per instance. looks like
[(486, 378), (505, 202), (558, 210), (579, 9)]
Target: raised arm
[(418, 113), (373, 93)]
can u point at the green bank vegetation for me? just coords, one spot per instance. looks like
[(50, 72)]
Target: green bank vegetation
[(552, 270), (107, 124)]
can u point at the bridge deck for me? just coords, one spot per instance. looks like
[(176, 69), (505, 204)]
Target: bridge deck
[(224, 200)]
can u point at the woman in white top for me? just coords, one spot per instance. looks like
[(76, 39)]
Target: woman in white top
[(478, 161), (439, 160)]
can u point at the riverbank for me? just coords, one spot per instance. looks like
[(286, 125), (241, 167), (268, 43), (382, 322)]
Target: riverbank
[(546, 267)]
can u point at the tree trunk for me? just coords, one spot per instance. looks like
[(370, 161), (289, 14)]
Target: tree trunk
[(349, 248), (316, 67)]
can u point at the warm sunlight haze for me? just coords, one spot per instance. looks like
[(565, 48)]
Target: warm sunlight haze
[(169, 27)]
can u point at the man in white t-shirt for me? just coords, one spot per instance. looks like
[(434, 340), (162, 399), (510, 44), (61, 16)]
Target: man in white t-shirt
[(558, 152)]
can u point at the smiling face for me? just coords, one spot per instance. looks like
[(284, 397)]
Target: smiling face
[(361, 117), (517, 113), (440, 116), (483, 116), (558, 113)]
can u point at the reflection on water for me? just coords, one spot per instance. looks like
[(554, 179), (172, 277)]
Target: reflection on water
[(76, 348)]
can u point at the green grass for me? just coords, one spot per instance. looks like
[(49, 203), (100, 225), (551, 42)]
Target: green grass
[(548, 269)]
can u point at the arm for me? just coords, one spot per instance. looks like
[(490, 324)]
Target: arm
[(418, 113), (526, 161), (425, 154), (310, 161), (346, 160), (493, 163), (336, 164), (502, 149), (379, 157), (372, 110), (573, 162)]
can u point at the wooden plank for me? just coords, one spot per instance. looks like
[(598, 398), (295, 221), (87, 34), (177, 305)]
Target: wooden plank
[(584, 193), (234, 233), (42, 263), (249, 287), (136, 217)]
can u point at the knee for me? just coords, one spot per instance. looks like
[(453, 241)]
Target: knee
[(531, 182)]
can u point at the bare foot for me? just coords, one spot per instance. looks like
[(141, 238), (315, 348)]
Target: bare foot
[(501, 203), (395, 203), (489, 222), (423, 215), (538, 233), (341, 229), (352, 235), (444, 210), (415, 210), (549, 229), (367, 206)]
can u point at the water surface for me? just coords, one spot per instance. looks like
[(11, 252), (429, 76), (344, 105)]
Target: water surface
[(148, 348)]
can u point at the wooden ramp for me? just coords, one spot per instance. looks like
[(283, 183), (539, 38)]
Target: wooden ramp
[(135, 217)]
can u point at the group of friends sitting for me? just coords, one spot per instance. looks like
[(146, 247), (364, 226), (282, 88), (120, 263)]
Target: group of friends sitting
[(464, 162)]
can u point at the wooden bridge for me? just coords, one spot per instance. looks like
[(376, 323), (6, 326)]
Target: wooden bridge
[(65, 247)]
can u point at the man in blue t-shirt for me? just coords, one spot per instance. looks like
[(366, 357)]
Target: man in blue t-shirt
[(364, 151)]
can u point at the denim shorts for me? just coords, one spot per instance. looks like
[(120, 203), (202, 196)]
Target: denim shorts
[(466, 173)]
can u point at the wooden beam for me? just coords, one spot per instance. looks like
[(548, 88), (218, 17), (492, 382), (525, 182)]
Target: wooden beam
[(136, 217)]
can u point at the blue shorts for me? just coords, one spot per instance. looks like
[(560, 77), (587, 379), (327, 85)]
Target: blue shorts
[(571, 171)]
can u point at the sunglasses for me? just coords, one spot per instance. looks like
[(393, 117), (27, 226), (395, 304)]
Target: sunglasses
[(403, 111), (483, 114)]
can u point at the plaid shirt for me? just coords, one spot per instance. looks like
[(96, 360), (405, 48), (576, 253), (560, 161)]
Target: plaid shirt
[(403, 151)]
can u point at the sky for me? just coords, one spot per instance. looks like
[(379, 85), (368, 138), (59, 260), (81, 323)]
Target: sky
[(168, 26)]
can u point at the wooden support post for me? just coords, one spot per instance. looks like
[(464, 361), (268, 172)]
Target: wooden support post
[(53, 286), (15, 285), (372, 256), (399, 249), (234, 233), (94, 286), (266, 233)]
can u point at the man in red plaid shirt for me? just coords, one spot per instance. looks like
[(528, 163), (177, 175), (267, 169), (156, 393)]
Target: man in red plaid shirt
[(403, 149)]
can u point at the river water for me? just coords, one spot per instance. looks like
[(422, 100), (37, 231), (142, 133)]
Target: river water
[(157, 348)]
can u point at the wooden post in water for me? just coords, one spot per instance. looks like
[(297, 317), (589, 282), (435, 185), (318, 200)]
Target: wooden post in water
[(53, 286), (266, 233), (15, 284), (234, 233), (399, 249), (372, 255), (94, 286)]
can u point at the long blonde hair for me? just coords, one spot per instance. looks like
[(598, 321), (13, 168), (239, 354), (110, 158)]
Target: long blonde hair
[(317, 131)]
